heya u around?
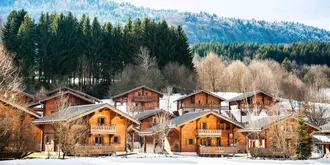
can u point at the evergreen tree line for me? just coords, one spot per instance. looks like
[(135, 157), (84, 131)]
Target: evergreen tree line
[(302, 53), (62, 49)]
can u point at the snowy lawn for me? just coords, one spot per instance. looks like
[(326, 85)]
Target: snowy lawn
[(152, 159)]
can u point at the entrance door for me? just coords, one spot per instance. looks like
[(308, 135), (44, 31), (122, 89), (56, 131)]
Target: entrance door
[(49, 143)]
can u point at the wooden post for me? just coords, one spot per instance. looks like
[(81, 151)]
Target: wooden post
[(144, 144), (133, 135), (154, 144), (180, 137)]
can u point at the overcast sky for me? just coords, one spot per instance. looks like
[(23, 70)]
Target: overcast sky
[(310, 12)]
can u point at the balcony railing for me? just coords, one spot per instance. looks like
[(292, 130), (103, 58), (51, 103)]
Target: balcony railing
[(201, 106), (216, 150), (209, 132), (103, 129), (88, 150), (142, 98)]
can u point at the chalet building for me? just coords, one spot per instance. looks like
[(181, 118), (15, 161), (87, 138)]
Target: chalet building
[(201, 100), (140, 98), (251, 106), (24, 135), (107, 128), (203, 133), (48, 105), (19, 96), (149, 119), (322, 139), (270, 133)]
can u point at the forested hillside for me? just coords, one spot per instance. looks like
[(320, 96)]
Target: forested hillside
[(60, 49), (199, 27), (302, 53)]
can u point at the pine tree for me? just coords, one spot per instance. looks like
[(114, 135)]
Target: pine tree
[(286, 64), (304, 141)]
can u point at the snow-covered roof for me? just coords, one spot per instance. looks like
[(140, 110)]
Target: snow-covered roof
[(227, 95), (321, 138)]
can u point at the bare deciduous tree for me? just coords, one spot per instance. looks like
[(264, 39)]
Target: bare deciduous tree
[(145, 72), (70, 133), (180, 77), (315, 107), (212, 73), (14, 125)]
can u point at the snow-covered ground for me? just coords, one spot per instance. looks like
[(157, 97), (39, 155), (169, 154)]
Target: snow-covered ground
[(151, 159)]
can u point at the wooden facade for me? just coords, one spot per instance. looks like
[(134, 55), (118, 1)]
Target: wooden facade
[(207, 132), (252, 100), (25, 136), (278, 136), (140, 98), (107, 130), (199, 100)]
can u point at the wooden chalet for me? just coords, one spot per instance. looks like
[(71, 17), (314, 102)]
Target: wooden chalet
[(107, 128), (142, 98), (48, 105), (203, 133), (20, 120), (267, 135), (201, 100), (322, 139), (256, 99)]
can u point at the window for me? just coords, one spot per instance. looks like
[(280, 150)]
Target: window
[(99, 140), (101, 121), (212, 101), (219, 141), (146, 93), (227, 126), (199, 102), (204, 125), (206, 142), (139, 93), (190, 141), (116, 140), (249, 100), (154, 121)]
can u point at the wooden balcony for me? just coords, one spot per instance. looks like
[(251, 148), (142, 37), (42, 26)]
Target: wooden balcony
[(216, 150), (142, 98), (209, 132), (201, 106), (89, 150), (103, 129)]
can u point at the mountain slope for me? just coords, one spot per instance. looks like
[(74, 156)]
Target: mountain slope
[(199, 27)]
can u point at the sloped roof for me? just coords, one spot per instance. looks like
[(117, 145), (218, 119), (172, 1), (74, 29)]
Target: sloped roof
[(247, 95), (183, 119), (75, 112), (64, 93), (147, 113), (74, 91), (265, 122), (325, 128), (20, 107), (260, 124), (134, 89), (212, 94), (321, 138)]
